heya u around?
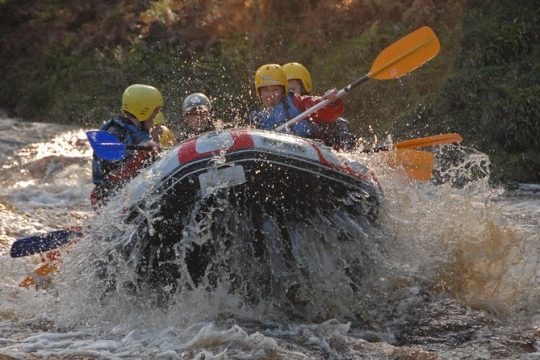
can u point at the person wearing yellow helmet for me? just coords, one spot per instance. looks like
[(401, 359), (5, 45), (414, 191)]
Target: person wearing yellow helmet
[(335, 134), (298, 78), (280, 105), (140, 105), (160, 133)]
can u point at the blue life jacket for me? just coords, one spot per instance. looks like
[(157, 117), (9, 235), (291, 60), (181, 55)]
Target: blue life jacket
[(273, 117), (127, 134)]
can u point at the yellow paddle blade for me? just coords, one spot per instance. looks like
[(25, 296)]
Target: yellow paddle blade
[(405, 55), (430, 141), (417, 164)]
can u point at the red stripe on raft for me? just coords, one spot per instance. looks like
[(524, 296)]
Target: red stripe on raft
[(345, 168), (242, 140), (188, 151)]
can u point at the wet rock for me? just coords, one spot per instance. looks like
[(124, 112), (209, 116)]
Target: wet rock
[(437, 319)]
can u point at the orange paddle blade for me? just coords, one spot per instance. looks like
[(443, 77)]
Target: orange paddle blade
[(27, 282), (430, 141), (40, 275), (405, 55), (417, 164)]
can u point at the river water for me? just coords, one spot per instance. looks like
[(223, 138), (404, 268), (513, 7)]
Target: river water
[(458, 276)]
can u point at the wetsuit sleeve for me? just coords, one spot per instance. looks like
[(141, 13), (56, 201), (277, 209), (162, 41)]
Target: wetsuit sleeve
[(326, 115)]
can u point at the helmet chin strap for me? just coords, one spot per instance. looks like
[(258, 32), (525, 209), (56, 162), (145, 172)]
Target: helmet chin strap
[(144, 125), (132, 118)]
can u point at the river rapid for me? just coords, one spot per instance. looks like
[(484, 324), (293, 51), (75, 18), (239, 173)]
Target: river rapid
[(454, 273)]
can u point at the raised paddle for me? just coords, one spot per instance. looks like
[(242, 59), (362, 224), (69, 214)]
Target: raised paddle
[(398, 59)]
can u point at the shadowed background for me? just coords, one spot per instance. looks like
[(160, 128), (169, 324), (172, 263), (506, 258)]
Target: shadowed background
[(69, 61)]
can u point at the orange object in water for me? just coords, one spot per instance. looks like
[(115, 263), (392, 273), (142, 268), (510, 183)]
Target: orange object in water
[(417, 164), (430, 141), (41, 277)]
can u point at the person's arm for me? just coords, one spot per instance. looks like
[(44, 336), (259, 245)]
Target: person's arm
[(327, 115)]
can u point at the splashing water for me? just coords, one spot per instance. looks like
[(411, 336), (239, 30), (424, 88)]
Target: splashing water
[(450, 268)]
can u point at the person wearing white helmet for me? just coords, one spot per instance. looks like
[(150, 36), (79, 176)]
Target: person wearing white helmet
[(335, 134), (197, 116), (140, 105)]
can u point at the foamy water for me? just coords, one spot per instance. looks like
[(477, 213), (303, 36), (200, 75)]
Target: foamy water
[(456, 274)]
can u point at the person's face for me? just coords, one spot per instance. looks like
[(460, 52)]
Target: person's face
[(198, 119), (271, 95), (296, 87)]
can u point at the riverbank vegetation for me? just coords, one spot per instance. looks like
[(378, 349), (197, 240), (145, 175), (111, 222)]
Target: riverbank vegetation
[(70, 61)]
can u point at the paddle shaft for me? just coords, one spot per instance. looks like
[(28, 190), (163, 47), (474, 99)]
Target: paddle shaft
[(128, 146), (396, 60), (377, 149)]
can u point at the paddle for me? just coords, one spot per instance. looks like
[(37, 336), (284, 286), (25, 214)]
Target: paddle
[(398, 59), (430, 141), (44, 242), (40, 276), (108, 147), (420, 142), (417, 164)]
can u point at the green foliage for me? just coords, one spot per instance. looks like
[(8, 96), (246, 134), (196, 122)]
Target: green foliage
[(493, 94), (69, 62)]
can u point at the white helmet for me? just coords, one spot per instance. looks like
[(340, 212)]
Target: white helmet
[(196, 100)]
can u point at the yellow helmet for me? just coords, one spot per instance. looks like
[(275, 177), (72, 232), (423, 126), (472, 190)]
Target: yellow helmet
[(298, 71), (159, 119), (270, 74), (167, 138), (141, 101)]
